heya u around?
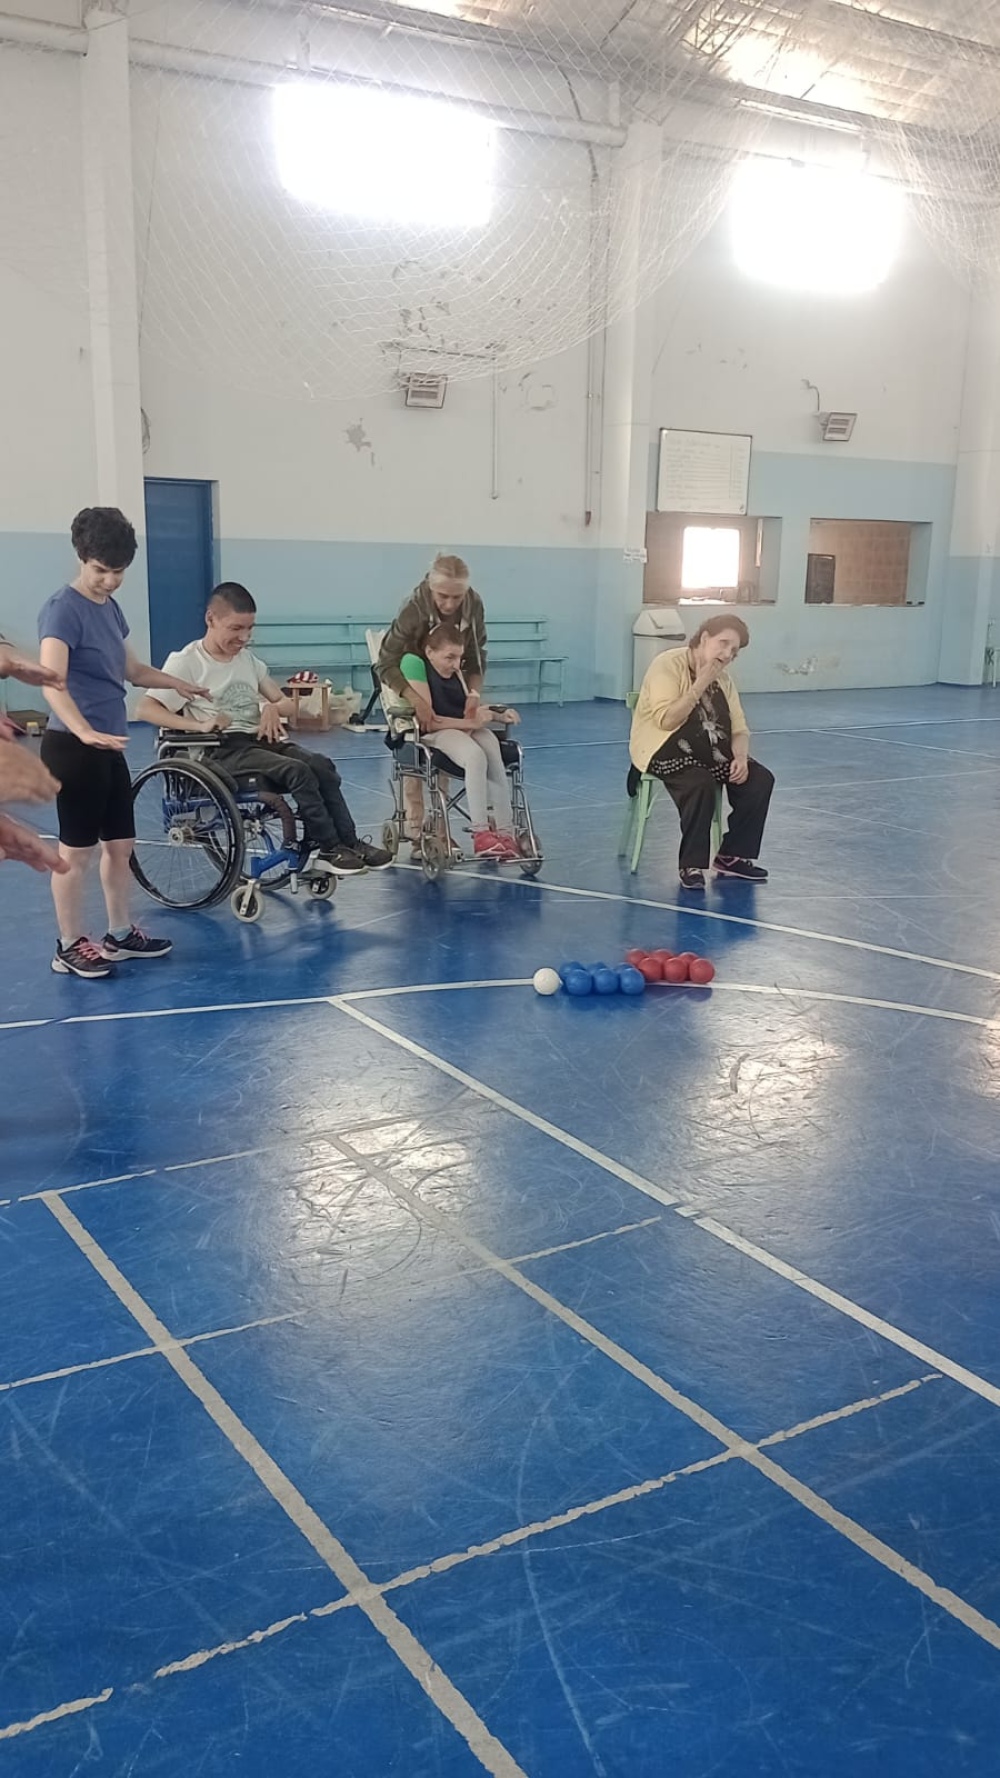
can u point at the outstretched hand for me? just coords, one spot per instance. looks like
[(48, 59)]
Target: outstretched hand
[(20, 845), (23, 778), (272, 725)]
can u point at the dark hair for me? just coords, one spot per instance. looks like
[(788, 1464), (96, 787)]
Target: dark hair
[(714, 626), (445, 636), (234, 597), (103, 534)]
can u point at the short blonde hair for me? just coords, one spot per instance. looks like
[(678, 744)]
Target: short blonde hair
[(450, 568)]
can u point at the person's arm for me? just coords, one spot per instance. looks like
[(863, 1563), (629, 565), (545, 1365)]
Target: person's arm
[(674, 695), (151, 710), (137, 673), (15, 665), (55, 654), (739, 771), (474, 669), (275, 710)]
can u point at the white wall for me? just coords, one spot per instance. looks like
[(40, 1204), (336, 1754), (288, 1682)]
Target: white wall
[(47, 460)]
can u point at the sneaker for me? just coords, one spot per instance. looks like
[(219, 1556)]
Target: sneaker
[(121, 950), (487, 844), (512, 850), (372, 857), (744, 868), (83, 958), (343, 861), (691, 879)]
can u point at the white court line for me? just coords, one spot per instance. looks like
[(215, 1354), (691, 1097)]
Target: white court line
[(694, 1211), (505, 1540), (700, 913), (407, 989), (102, 1364), (457, 1710), (816, 1504), (914, 746)]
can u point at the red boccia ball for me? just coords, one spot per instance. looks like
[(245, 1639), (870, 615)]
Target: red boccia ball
[(676, 970), (649, 969), (634, 958), (663, 957), (701, 972)]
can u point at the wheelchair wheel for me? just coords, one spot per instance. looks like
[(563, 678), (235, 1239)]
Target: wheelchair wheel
[(188, 834), (321, 888), (433, 856), (265, 835), (390, 837), (247, 903), (531, 854)]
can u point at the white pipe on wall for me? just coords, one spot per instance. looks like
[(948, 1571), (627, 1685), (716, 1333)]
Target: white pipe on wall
[(243, 72)]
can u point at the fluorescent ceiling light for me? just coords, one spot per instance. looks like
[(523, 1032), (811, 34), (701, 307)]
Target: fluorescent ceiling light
[(387, 157), (815, 228)]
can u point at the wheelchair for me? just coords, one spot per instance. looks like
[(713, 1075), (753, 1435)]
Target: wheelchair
[(202, 835), (415, 757)]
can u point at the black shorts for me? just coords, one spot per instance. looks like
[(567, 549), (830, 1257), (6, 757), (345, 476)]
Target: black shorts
[(95, 801)]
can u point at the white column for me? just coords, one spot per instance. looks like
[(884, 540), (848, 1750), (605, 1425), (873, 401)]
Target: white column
[(974, 550), (114, 309), (625, 432)]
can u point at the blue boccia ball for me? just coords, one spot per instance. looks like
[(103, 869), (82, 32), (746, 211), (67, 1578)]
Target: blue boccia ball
[(578, 982), (605, 980), (631, 981), (564, 970)]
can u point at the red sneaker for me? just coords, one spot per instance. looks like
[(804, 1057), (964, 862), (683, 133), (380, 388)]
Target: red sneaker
[(487, 844)]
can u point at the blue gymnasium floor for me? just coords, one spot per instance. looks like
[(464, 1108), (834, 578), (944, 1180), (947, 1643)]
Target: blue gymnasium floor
[(430, 1383)]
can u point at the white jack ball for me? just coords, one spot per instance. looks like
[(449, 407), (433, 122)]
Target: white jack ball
[(546, 981)]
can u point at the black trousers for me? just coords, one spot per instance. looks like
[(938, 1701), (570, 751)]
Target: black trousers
[(693, 790), (311, 779)]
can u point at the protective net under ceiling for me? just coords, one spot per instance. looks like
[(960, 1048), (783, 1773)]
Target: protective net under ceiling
[(614, 131)]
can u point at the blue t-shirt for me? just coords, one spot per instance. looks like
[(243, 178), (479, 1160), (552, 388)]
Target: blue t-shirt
[(95, 636)]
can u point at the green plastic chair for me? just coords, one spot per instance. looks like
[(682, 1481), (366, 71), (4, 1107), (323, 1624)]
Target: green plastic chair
[(640, 807)]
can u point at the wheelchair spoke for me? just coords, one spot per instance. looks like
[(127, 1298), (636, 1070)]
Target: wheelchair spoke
[(189, 837)]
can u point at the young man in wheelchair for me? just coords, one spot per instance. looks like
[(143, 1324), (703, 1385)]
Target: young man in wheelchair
[(248, 712)]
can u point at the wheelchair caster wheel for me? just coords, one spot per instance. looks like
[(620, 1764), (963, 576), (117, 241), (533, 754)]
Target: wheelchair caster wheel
[(321, 888), (434, 857), (390, 838), (247, 902), (531, 855)]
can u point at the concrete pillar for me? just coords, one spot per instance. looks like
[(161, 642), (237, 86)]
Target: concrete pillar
[(626, 420), (114, 309), (973, 594)]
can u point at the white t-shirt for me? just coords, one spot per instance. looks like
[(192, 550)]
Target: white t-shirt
[(234, 685)]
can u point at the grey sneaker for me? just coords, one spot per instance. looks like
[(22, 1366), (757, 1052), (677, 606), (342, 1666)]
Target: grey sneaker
[(82, 958), (122, 950), (372, 857)]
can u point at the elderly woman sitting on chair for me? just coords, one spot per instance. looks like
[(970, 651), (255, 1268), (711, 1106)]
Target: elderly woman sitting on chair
[(439, 695), (689, 730)]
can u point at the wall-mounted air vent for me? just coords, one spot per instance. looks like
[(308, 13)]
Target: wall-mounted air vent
[(422, 389), (836, 428)]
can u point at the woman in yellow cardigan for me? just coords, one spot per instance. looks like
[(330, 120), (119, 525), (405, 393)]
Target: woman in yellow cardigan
[(689, 729)]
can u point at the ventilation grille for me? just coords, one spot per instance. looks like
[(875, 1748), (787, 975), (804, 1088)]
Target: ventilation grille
[(423, 389), (837, 428)]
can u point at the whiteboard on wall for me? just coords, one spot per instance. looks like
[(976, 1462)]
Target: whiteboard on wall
[(703, 471)]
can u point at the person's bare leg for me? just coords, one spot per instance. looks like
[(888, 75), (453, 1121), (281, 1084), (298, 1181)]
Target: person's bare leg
[(116, 881), (69, 892), (413, 807)]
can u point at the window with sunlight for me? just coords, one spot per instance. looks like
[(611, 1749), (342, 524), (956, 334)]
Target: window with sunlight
[(815, 228), (386, 157), (710, 557)]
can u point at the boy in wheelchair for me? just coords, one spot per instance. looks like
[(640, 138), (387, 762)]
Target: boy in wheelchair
[(439, 697), (245, 707)]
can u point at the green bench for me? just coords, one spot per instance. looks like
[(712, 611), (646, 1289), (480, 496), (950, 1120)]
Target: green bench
[(520, 665)]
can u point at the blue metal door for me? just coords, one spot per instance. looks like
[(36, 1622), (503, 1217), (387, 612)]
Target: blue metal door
[(181, 557)]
